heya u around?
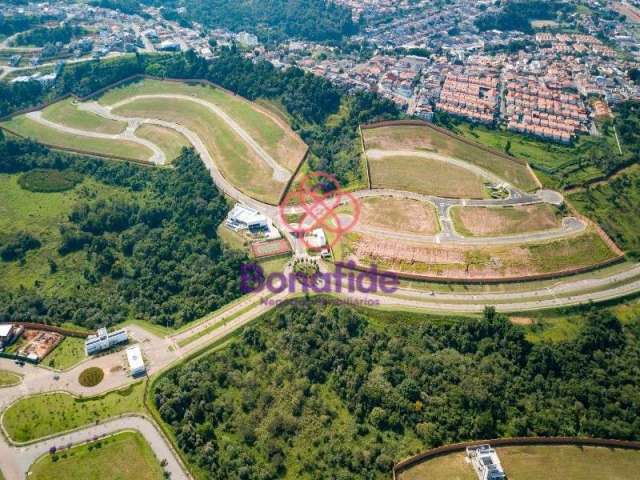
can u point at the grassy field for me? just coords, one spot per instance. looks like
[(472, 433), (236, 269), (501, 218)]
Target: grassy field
[(120, 148), (475, 262), (540, 154), (426, 176), (37, 416), (168, 140), (100, 460), (614, 206), (237, 162), (397, 214), (40, 214), (535, 462), (269, 129), (67, 113), (9, 379), (67, 354), (424, 138), (489, 221)]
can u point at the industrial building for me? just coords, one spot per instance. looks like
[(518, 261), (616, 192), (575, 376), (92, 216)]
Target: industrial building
[(136, 362), (104, 340), (485, 462)]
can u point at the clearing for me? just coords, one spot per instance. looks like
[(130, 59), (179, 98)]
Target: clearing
[(67, 354), (474, 262), (427, 138), (26, 127), (558, 462), (101, 459), (168, 140), (46, 414), (397, 214), (67, 113), (420, 174), (270, 130), (492, 221)]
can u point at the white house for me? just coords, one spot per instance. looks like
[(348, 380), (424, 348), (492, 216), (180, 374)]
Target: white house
[(136, 362), (485, 462), (104, 340), (242, 217)]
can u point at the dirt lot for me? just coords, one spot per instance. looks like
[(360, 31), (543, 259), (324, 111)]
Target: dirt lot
[(397, 214), (39, 342), (459, 261), (490, 221)]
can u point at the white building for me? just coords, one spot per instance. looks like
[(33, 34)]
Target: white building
[(242, 217), (104, 340), (136, 362), (485, 462), (8, 333), (316, 239)]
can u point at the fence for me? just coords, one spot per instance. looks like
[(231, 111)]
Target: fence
[(69, 332), (513, 442)]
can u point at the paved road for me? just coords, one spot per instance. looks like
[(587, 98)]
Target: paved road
[(15, 461), (280, 173), (157, 155)]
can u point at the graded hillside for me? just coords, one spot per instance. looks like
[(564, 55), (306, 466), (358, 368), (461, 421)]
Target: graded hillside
[(490, 221), (168, 140), (66, 112), (476, 261), (397, 214), (25, 126), (271, 131), (428, 139), (557, 462)]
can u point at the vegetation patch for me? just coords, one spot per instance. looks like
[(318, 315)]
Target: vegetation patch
[(66, 112), (91, 377), (15, 246), (41, 180), (9, 379), (46, 414), (325, 391), (121, 456), (168, 140), (67, 354)]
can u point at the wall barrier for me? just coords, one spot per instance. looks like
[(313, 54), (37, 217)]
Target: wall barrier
[(69, 332), (492, 280), (513, 442)]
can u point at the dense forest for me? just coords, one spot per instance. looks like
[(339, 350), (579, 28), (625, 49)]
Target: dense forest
[(327, 392), (39, 37), (517, 15), (151, 253), (272, 20), (313, 103)]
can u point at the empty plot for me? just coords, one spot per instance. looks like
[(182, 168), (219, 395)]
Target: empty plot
[(101, 459), (101, 146), (490, 221), (67, 113), (270, 130), (556, 462), (168, 140), (409, 137), (238, 163), (398, 214), (476, 262), (425, 175)]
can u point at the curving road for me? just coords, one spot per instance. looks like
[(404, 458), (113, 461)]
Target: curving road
[(280, 173)]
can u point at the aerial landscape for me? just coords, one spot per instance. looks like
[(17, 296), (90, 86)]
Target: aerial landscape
[(319, 239)]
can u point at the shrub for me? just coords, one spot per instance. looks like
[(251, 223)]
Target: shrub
[(91, 377), (45, 180)]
